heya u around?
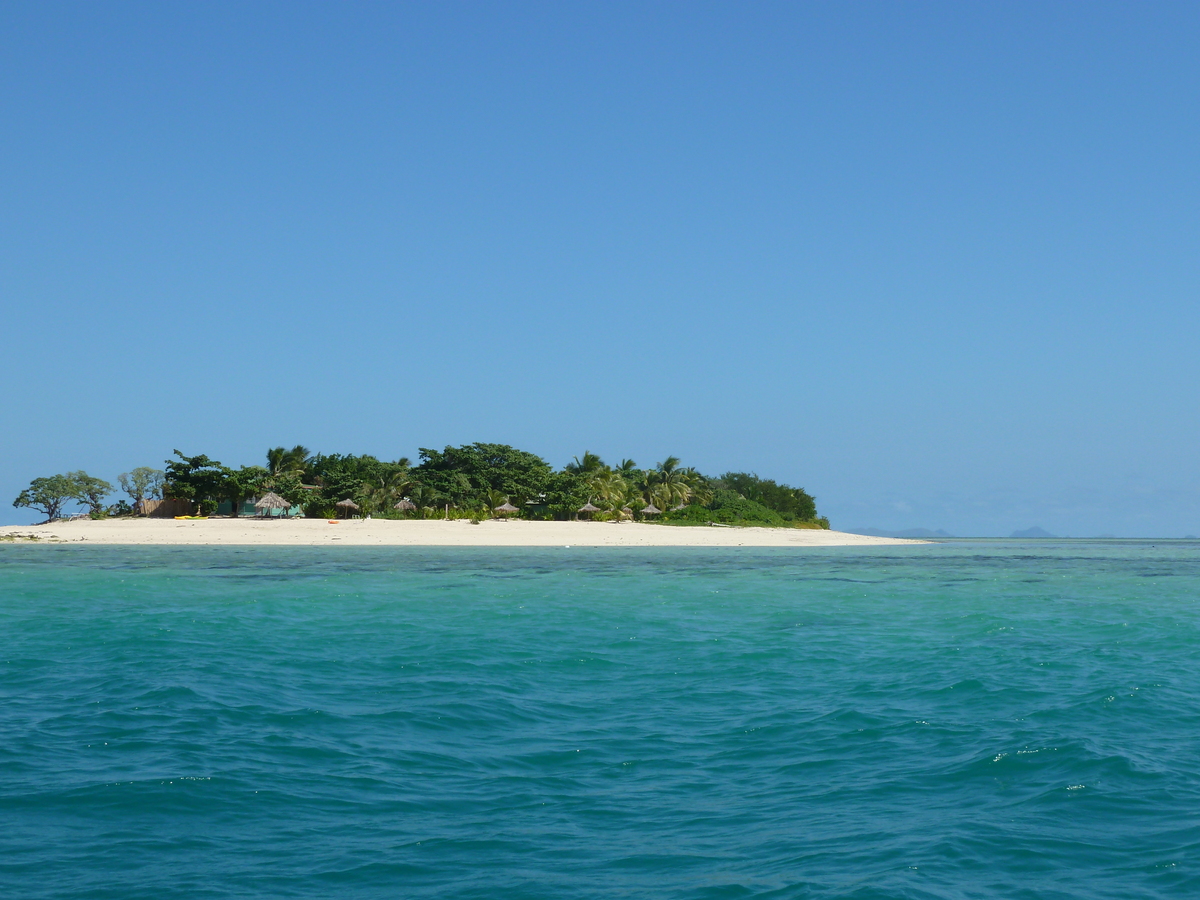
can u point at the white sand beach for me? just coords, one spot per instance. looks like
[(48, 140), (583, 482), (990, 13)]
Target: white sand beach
[(425, 533)]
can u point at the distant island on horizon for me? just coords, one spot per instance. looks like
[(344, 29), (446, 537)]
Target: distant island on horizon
[(1034, 532)]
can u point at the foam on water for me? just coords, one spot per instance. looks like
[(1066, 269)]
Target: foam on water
[(990, 720)]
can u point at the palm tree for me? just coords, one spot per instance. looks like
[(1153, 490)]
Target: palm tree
[(426, 498), (608, 487), (699, 488), (288, 462), (666, 485), (586, 466), (383, 492), (495, 498), (616, 496)]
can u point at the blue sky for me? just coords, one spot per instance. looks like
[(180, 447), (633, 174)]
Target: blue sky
[(937, 263)]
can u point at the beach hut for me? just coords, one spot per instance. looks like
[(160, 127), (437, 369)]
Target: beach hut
[(270, 501), (588, 509), (650, 510), (506, 509), (405, 505), (345, 506)]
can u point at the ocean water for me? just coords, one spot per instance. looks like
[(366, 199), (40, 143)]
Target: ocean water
[(964, 720)]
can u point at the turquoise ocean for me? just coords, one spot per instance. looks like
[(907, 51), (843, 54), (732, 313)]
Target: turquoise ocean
[(961, 720)]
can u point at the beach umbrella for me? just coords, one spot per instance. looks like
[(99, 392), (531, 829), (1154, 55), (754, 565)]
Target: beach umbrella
[(405, 505), (650, 510), (346, 505), (506, 508), (270, 501), (588, 508)]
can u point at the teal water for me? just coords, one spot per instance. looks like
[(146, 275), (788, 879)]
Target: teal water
[(976, 720)]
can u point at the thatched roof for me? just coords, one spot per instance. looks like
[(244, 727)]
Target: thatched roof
[(587, 507), (506, 507), (405, 505), (271, 500), (650, 510), (347, 503)]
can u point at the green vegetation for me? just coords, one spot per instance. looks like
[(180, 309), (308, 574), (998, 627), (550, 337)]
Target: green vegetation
[(473, 482), (52, 494), (48, 495), (143, 483), (91, 492)]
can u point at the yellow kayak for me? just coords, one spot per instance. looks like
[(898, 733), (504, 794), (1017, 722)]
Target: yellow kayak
[(192, 518)]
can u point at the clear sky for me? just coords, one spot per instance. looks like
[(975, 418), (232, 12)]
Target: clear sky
[(937, 263)]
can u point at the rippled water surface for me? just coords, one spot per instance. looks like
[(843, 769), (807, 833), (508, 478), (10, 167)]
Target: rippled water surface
[(991, 720)]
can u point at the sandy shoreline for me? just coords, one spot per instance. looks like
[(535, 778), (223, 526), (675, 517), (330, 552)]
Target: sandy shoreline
[(429, 533)]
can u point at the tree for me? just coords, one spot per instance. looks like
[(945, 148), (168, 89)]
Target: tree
[(565, 493), (288, 462), (142, 483), (242, 484), (196, 478), (382, 491), (666, 485), (91, 491), (290, 488), (587, 465), (48, 495), (607, 486), (425, 499), (700, 489), (613, 493), (793, 503), (465, 474), (368, 481)]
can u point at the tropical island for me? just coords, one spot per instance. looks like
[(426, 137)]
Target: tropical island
[(475, 482)]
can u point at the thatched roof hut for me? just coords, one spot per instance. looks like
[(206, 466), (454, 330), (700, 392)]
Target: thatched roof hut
[(270, 501), (650, 510), (506, 508), (405, 505)]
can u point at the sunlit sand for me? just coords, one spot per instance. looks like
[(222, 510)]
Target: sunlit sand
[(428, 533)]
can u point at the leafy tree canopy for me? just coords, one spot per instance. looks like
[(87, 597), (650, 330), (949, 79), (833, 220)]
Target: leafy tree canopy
[(196, 478), (790, 502), (467, 473), (48, 495), (242, 484), (90, 490), (471, 478), (565, 492), (354, 477), (142, 483)]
